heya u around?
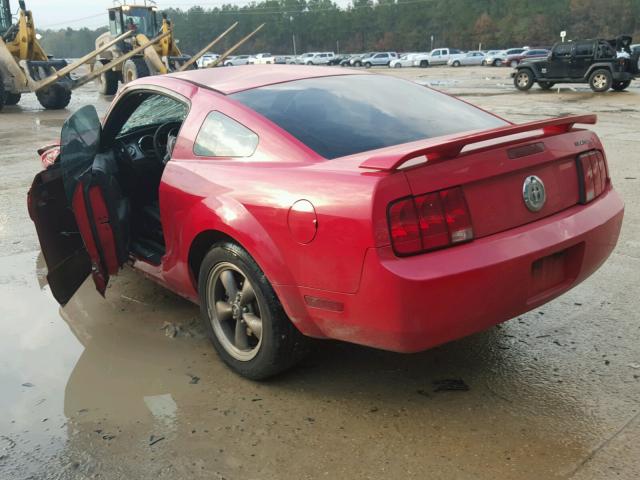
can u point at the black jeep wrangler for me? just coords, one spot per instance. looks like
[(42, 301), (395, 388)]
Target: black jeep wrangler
[(603, 64)]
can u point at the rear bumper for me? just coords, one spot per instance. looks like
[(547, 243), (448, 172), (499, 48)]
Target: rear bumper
[(411, 304)]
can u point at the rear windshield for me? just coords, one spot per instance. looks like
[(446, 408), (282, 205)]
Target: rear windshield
[(344, 115)]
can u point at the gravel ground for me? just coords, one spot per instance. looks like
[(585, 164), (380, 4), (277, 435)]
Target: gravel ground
[(127, 387)]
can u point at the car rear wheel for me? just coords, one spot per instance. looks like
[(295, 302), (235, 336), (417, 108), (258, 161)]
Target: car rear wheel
[(617, 86), (243, 316), (424, 63), (397, 65), (498, 63), (523, 79), (600, 80), (456, 63), (484, 63), (357, 64), (546, 85), (367, 65)]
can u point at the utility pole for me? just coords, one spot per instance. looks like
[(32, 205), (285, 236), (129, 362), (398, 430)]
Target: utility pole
[(431, 42), (337, 47)]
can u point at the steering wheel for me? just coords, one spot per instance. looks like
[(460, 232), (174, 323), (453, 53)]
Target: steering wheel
[(160, 148)]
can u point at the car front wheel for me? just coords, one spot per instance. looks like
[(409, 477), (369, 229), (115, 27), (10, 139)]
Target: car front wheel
[(243, 316), (456, 63), (523, 79), (498, 63), (367, 65), (600, 80)]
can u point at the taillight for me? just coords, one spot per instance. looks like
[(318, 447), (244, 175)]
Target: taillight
[(592, 175), (428, 222)]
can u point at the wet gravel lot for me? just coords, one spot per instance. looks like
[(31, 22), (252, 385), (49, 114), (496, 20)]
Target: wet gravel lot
[(127, 387)]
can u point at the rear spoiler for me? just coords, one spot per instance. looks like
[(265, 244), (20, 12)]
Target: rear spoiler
[(447, 148)]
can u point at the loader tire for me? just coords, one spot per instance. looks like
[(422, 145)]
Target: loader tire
[(107, 82), (12, 98), (55, 97), (133, 69)]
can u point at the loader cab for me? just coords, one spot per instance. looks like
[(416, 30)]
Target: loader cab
[(142, 20)]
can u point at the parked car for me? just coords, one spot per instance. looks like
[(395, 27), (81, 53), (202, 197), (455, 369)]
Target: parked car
[(594, 62), (467, 59), (261, 59), (440, 56), (498, 59), (406, 60), (302, 59), (250, 212), (283, 59), (207, 59), (490, 54), (377, 59), (515, 59), (356, 60), (237, 60), (338, 59), (318, 58)]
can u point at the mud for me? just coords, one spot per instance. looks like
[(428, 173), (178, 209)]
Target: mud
[(106, 388)]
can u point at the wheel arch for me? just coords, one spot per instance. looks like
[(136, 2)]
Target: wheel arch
[(598, 66)]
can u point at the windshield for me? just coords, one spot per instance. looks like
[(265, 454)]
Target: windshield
[(140, 19), (155, 110), (344, 115)]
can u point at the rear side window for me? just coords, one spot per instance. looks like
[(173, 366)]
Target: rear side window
[(348, 114), (584, 49), (221, 136)]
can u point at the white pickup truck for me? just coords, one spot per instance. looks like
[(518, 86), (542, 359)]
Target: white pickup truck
[(437, 56)]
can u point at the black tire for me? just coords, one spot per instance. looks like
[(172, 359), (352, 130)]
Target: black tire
[(424, 63), (546, 85), (2, 93), (133, 69), (107, 82), (54, 97), (280, 345), (617, 86), (367, 65), (484, 63), (600, 80), (523, 79), (357, 64), (12, 98), (497, 63), (397, 65), (456, 63)]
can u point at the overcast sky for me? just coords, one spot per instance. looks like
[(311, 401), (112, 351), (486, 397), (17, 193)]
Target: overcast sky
[(92, 13)]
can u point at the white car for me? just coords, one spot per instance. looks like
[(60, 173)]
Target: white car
[(468, 59), (207, 59), (261, 59), (497, 59), (317, 58), (406, 60), (302, 59), (237, 60), (378, 59)]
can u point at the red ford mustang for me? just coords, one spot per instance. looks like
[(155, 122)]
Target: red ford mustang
[(291, 201)]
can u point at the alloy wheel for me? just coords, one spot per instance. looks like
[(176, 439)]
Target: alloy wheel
[(234, 311), (600, 80), (522, 79)]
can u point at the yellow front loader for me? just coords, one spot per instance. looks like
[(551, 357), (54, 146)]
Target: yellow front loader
[(25, 67)]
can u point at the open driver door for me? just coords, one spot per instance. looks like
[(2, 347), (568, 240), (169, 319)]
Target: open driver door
[(79, 210)]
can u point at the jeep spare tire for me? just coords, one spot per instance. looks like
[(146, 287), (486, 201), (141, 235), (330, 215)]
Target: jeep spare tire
[(600, 80)]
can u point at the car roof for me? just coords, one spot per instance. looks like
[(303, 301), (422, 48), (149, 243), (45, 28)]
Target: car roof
[(246, 77)]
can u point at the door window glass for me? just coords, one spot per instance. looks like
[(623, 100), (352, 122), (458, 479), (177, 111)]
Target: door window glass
[(584, 49), (562, 50)]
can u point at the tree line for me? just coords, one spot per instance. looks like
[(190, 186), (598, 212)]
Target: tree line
[(398, 25)]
